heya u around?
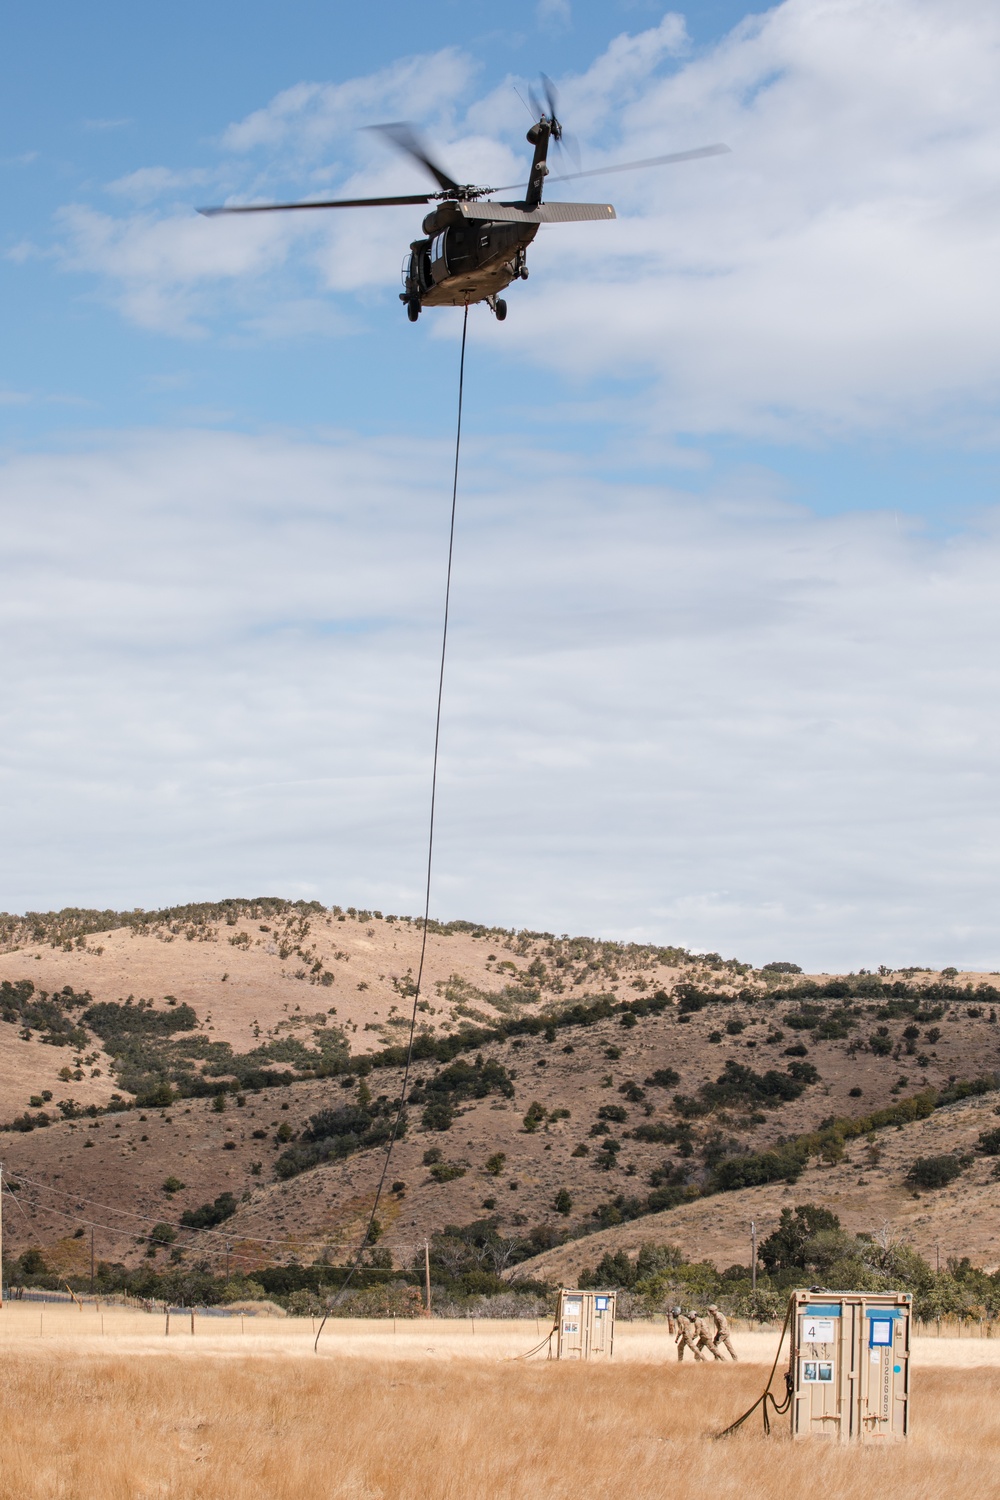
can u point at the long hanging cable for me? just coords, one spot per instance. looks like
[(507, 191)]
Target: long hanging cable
[(766, 1398), (430, 851)]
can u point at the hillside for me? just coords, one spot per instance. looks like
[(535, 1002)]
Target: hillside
[(269, 974), (957, 1220), (563, 1085)]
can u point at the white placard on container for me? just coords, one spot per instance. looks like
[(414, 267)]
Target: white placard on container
[(817, 1330)]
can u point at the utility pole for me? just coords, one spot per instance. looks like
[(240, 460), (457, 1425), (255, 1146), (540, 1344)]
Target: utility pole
[(753, 1254), (228, 1248), (91, 1260), (1, 1234), (427, 1276)]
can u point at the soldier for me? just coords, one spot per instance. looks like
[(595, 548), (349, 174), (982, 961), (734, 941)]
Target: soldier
[(721, 1331), (686, 1336), (705, 1335)]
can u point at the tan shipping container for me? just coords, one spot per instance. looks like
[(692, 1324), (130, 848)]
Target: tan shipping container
[(850, 1365), (586, 1325)]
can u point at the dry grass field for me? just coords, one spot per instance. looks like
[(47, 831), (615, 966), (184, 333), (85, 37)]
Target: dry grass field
[(183, 1419)]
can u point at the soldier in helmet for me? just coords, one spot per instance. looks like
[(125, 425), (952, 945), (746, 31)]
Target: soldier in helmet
[(686, 1335), (722, 1335), (705, 1334)]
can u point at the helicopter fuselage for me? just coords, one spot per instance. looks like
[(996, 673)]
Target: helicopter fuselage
[(463, 259)]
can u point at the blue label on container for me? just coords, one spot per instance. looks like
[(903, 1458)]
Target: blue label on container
[(823, 1310)]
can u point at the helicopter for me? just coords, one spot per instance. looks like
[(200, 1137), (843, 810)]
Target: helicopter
[(474, 249)]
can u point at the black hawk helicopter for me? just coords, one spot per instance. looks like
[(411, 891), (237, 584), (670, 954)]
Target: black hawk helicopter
[(473, 249)]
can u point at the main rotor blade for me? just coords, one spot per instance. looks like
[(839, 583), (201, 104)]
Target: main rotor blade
[(270, 208), (405, 138), (551, 96), (630, 166)]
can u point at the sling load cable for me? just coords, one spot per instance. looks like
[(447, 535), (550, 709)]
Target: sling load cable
[(430, 850), (767, 1398)]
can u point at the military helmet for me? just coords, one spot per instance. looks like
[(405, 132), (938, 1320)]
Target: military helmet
[(713, 1307), (676, 1312)]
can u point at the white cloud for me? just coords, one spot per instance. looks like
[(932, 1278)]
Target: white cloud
[(149, 183), (163, 268), (723, 722), (835, 272), (309, 117), (557, 14)]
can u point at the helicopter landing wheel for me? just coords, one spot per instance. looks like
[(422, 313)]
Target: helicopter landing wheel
[(500, 308), (523, 273), (413, 311)]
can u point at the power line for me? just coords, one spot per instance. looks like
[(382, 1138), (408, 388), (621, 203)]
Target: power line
[(430, 842), (117, 1229), (142, 1218)]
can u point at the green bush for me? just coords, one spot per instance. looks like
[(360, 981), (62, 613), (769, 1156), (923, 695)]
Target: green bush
[(663, 1078), (989, 1142), (438, 1116), (756, 1168), (934, 1171), (210, 1214), (443, 1171), (335, 1133)]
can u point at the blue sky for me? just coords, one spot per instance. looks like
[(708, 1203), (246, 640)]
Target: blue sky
[(725, 616)]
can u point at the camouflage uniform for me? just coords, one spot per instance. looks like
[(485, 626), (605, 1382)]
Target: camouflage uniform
[(721, 1331), (705, 1335), (686, 1336)]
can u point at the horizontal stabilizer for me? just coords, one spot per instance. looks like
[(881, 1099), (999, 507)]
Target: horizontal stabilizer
[(546, 213)]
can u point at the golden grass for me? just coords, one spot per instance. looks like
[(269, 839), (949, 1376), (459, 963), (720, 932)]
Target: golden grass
[(96, 1426)]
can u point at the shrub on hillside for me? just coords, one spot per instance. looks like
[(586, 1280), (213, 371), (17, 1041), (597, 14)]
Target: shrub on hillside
[(443, 1171), (438, 1116), (210, 1214), (934, 1171), (757, 1167), (663, 1078)]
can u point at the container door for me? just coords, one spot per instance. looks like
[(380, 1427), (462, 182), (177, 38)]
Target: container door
[(572, 1328), (602, 1328), (819, 1371), (884, 1374)]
